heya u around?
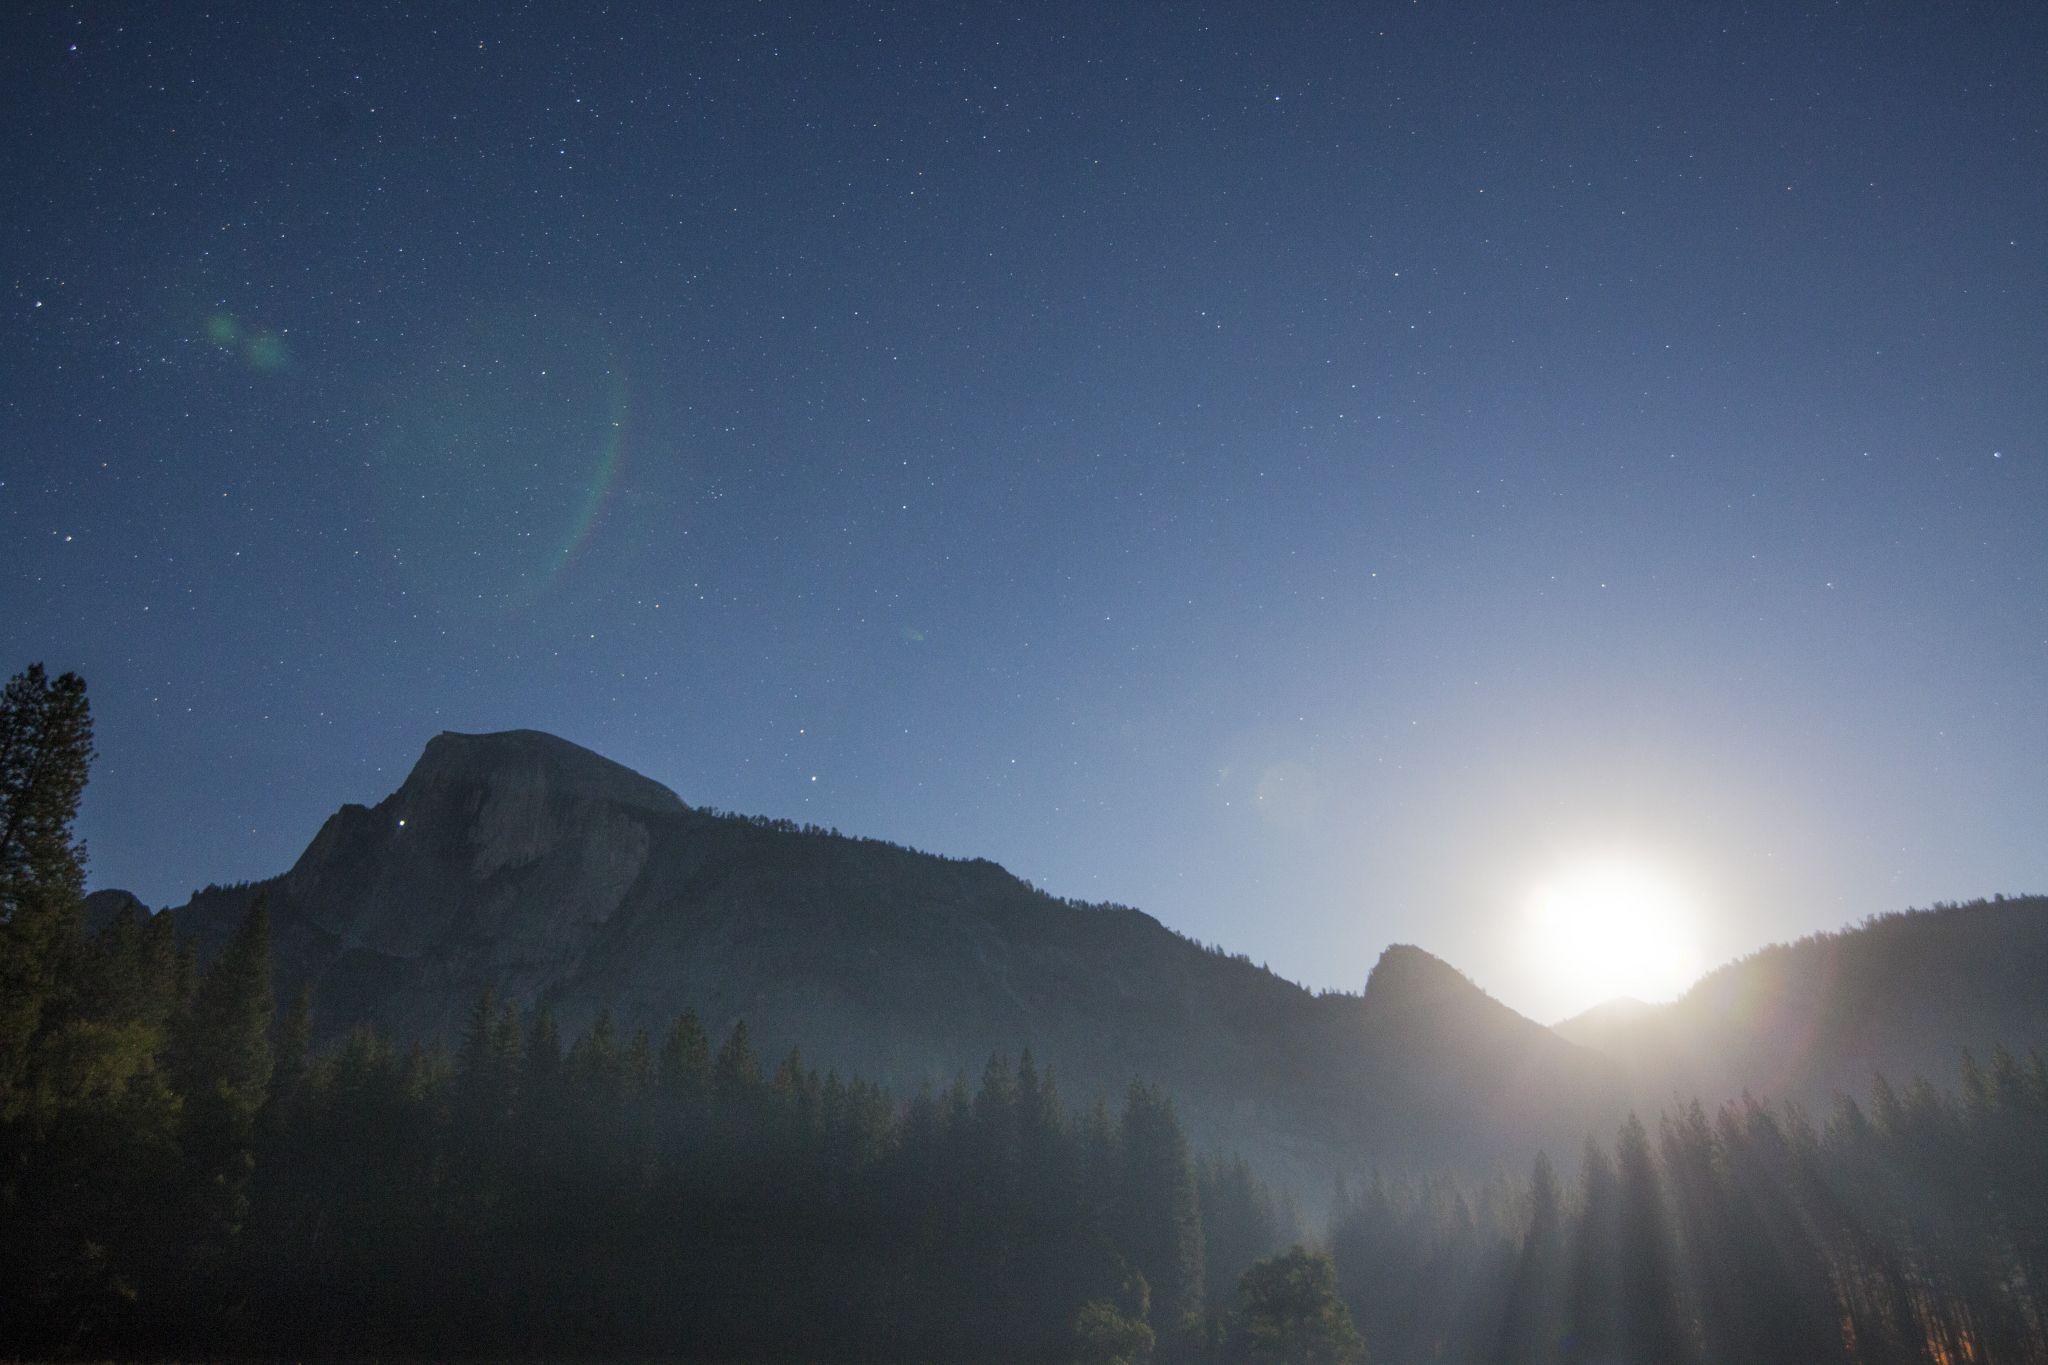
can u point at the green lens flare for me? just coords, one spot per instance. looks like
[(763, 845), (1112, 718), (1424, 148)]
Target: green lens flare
[(603, 480), (265, 352), (262, 350)]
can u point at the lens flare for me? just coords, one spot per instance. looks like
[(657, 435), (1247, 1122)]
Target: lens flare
[(260, 348), (604, 480), (500, 450)]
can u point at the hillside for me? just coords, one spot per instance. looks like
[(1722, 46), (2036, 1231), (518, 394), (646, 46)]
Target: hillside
[(1905, 994)]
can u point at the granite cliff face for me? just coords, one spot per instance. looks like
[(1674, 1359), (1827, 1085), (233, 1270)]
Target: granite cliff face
[(522, 862)]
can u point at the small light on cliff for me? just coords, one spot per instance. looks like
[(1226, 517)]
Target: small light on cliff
[(401, 823)]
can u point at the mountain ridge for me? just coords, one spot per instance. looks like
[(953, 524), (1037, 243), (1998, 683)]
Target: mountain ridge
[(1904, 994), (523, 863)]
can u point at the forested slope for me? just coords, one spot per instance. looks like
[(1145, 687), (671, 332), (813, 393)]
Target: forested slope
[(1905, 994)]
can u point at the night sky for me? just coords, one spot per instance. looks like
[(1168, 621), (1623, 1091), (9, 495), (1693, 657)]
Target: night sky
[(1305, 471)]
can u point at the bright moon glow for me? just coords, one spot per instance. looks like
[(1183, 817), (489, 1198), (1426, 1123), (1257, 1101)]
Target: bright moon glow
[(1613, 927)]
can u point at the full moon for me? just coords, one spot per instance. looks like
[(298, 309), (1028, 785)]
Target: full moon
[(1612, 927)]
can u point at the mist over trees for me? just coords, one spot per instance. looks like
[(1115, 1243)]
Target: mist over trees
[(181, 1174), (615, 1196), (1913, 1228)]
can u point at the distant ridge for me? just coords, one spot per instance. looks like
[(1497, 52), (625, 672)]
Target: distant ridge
[(1616, 1013), (1904, 994)]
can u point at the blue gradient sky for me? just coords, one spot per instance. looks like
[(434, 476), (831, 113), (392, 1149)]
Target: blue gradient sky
[(1307, 471)]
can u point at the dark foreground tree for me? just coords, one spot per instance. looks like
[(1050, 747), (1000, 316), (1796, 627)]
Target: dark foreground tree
[(1289, 1314), (1104, 1334), (45, 753), (1160, 1215)]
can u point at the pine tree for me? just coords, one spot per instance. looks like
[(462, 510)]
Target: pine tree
[(1040, 1124), (736, 1073), (595, 1064), (684, 1072), (994, 1136), (682, 1095), (1239, 1225), (543, 1061), (638, 1065), (221, 1057), (473, 1059), (737, 1112), (45, 754), (1104, 1335), (1529, 1330), (795, 1091), (1161, 1224), (1652, 1324), (1289, 1314), (221, 1063), (1788, 1305), (1593, 1307), (294, 1050)]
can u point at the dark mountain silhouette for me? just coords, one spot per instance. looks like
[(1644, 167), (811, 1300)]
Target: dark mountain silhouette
[(104, 907), (522, 862), (1903, 994)]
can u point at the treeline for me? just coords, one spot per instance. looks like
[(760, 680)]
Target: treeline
[(1890, 943), (1913, 1229), (779, 825), (185, 1178)]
